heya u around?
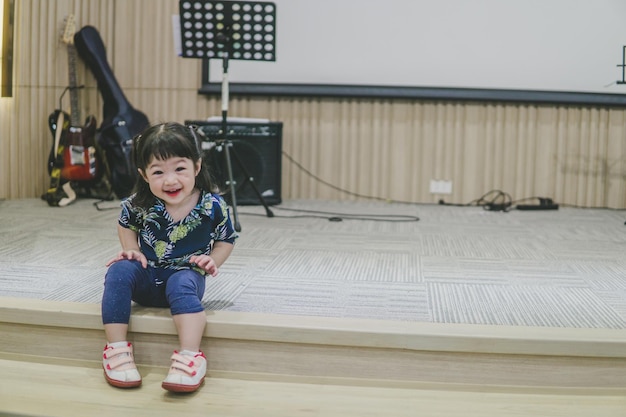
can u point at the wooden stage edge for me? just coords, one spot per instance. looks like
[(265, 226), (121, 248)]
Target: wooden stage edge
[(356, 352)]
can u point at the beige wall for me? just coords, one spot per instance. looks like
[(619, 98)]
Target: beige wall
[(385, 148)]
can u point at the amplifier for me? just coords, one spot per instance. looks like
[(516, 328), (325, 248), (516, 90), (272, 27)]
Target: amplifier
[(255, 150)]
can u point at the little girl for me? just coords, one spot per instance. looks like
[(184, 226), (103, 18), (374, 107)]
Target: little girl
[(173, 231)]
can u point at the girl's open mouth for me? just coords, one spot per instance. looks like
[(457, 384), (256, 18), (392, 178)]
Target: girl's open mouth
[(172, 193)]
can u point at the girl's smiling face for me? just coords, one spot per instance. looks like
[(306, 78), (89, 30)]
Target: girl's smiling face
[(173, 180)]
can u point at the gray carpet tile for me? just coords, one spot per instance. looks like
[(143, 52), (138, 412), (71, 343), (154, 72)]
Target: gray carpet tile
[(522, 305), (562, 268)]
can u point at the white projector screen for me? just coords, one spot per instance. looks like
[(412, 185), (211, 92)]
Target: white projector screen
[(394, 46)]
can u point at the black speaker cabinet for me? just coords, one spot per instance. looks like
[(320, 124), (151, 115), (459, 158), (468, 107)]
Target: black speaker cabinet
[(255, 149)]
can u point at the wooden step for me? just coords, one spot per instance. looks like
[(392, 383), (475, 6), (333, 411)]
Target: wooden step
[(62, 388), (387, 354)]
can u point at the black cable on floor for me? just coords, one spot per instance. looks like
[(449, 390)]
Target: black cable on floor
[(333, 216)]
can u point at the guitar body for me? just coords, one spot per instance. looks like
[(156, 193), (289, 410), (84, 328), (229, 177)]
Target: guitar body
[(80, 162), (77, 155)]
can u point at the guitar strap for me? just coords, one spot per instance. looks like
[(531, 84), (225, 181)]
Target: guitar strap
[(64, 195)]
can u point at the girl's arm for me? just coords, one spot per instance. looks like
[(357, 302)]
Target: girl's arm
[(128, 239), (220, 252), (130, 247), (210, 263)]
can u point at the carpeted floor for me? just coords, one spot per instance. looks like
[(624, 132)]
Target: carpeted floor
[(562, 268)]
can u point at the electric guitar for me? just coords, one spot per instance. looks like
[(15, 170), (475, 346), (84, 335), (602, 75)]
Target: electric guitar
[(74, 153)]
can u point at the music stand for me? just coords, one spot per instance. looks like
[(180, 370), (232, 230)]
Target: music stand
[(228, 30)]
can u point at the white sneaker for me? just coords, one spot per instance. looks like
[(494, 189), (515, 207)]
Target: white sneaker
[(119, 366), (186, 373)]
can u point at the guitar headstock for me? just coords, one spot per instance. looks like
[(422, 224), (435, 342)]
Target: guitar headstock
[(68, 32)]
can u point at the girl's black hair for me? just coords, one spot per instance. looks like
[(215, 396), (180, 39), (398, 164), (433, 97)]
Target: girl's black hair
[(163, 141)]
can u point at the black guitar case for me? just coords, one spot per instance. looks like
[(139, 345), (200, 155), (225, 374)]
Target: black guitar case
[(120, 120)]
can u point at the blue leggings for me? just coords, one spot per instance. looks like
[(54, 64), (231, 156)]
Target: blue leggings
[(126, 281)]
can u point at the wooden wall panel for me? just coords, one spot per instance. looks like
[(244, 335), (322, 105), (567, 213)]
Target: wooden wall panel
[(389, 149)]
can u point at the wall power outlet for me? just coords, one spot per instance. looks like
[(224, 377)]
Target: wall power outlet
[(440, 187)]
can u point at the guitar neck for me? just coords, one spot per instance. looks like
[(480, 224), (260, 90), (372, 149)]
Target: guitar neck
[(74, 108)]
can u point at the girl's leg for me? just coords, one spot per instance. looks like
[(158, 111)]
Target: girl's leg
[(120, 283), (115, 332), (184, 292), (122, 280), (190, 329)]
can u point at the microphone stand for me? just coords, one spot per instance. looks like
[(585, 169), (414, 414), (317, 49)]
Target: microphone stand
[(226, 144)]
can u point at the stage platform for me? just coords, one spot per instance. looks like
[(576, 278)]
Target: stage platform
[(349, 308)]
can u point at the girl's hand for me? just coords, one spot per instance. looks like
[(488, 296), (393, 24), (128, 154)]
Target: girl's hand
[(206, 263), (130, 255)]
